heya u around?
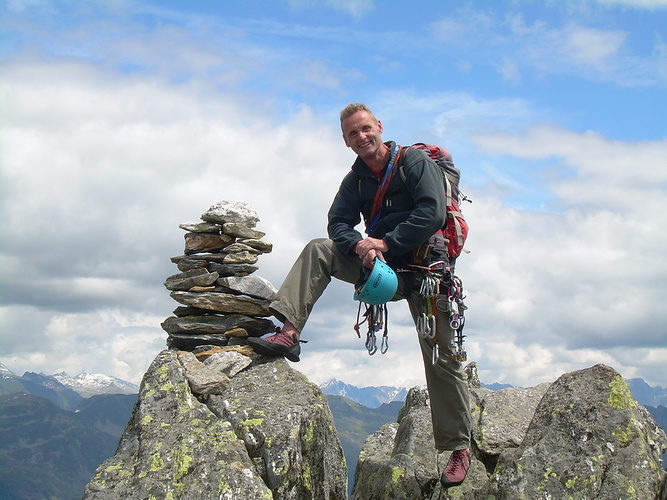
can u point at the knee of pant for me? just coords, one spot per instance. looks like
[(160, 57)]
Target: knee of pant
[(319, 246), (318, 242)]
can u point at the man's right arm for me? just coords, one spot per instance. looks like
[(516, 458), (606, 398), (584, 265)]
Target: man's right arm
[(345, 214)]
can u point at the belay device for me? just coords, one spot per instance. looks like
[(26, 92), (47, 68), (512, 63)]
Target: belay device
[(376, 287)]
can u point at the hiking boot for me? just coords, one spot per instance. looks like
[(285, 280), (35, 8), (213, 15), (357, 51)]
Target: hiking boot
[(278, 345), (456, 469)]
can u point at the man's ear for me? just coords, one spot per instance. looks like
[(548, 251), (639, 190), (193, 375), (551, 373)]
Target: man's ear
[(345, 141), (380, 128)]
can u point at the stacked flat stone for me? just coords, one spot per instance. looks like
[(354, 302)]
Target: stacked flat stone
[(223, 302)]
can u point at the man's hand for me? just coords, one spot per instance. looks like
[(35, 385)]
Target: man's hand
[(369, 249)]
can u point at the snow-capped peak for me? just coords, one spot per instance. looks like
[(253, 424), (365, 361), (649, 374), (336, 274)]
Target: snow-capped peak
[(89, 384), (6, 372)]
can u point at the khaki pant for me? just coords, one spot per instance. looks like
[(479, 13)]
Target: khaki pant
[(321, 260)]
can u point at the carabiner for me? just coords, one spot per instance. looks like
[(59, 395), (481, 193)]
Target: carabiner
[(384, 346), (431, 327), (371, 343), (423, 326)]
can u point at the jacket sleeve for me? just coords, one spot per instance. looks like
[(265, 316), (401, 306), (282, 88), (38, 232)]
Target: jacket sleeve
[(424, 182), (345, 214)]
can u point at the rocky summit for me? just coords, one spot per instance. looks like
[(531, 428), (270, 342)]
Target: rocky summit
[(214, 420)]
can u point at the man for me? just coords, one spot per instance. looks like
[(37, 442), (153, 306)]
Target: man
[(413, 209)]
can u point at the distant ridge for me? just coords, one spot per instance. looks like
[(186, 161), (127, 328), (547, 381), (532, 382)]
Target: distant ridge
[(646, 394), (91, 384), (371, 397), (39, 385), (61, 389), (374, 397)]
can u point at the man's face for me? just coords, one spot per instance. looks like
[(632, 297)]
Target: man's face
[(362, 133)]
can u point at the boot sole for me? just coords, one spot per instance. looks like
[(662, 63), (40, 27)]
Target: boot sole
[(261, 346)]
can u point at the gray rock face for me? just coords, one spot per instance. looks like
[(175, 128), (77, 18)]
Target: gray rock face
[(175, 447), (400, 461), (287, 427), (223, 303), (588, 439), (497, 428), (581, 437), (216, 325), (253, 286), (268, 433)]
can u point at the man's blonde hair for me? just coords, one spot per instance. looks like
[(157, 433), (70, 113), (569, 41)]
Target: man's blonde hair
[(353, 108)]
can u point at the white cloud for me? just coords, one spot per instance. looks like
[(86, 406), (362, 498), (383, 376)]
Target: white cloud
[(566, 48), (572, 45), (357, 9)]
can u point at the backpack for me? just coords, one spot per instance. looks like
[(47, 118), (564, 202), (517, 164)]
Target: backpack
[(452, 236)]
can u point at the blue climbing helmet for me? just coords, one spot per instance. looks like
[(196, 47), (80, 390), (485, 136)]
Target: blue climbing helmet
[(378, 285)]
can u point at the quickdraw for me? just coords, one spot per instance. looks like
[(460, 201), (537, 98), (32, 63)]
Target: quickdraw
[(440, 288), (430, 289), (457, 307), (377, 318)]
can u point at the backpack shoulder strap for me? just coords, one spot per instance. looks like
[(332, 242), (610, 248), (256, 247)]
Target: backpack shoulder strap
[(449, 191)]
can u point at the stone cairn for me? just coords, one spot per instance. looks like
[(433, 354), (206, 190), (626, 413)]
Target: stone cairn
[(222, 301)]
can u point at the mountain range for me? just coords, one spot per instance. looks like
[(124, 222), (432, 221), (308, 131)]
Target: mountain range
[(370, 397), (62, 390), (56, 429)]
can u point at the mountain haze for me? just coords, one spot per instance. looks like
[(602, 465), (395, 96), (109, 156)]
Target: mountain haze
[(355, 422), (52, 437), (49, 452)]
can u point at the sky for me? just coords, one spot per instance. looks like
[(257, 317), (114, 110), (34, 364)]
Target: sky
[(121, 120)]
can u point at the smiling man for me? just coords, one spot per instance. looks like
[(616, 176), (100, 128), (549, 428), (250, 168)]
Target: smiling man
[(400, 220)]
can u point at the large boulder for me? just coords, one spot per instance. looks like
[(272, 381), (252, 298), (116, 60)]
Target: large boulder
[(267, 433), (588, 439), (288, 431), (502, 417)]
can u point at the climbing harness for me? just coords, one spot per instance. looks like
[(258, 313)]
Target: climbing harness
[(376, 316)]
